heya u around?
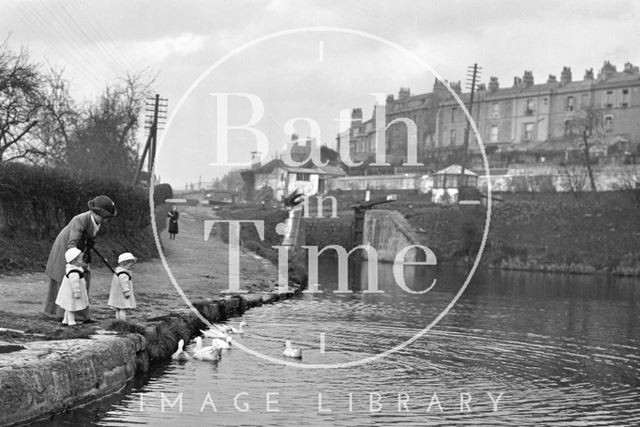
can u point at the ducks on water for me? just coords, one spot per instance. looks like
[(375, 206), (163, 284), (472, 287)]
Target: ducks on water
[(226, 329), (208, 353), (214, 333), (221, 340), (291, 351), (221, 344), (238, 330), (180, 354)]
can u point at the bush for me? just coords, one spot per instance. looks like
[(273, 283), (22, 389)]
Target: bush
[(36, 203), (162, 192)]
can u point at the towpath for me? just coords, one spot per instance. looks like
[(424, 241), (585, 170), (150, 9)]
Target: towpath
[(200, 268)]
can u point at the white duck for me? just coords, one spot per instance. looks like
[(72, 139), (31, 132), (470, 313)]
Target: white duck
[(214, 333), (208, 353), (290, 351), (221, 344), (180, 354), (238, 330)]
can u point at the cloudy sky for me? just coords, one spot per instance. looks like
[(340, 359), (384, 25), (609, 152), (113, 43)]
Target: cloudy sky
[(257, 50)]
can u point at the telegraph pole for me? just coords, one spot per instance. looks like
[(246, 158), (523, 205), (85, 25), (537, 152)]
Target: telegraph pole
[(472, 73), (155, 117)]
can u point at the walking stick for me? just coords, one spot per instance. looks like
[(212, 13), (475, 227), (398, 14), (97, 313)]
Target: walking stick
[(104, 260)]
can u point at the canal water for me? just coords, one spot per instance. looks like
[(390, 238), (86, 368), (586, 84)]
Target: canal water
[(518, 348)]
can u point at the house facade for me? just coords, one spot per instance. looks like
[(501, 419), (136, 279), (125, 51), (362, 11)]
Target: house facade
[(527, 122)]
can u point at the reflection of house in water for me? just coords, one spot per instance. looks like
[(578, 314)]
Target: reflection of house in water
[(416, 277), (278, 178)]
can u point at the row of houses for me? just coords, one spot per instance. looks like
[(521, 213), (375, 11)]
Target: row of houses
[(527, 122)]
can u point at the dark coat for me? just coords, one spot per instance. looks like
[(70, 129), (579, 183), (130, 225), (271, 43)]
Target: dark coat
[(173, 221), (77, 233)]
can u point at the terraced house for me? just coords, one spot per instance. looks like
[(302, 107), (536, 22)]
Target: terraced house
[(525, 123), (536, 123)]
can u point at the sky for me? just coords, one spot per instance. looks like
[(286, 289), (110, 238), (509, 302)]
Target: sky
[(279, 66)]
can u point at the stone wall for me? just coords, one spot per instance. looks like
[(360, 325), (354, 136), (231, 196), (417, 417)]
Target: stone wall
[(50, 377), (389, 232)]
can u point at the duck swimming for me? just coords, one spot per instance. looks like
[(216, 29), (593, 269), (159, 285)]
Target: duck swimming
[(221, 344), (208, 353), (238, 330), (180, 354), (214, 333), (290, 351)]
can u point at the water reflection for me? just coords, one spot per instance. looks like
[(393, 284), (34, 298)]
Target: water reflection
[(517, 349)]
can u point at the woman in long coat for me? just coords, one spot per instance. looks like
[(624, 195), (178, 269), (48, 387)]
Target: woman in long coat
[(173, 222), (78, 233)]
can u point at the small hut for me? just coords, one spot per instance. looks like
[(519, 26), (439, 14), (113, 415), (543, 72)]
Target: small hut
[(446, 183)]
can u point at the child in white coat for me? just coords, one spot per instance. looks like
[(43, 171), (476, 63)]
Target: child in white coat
[(72, 295), (122, 297)]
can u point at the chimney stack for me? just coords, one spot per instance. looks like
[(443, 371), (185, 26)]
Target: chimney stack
[(608, 70), (629, 68), (552, 79), (527, 79), (404, 93), (493, 84), (588, 74), (565, 76), (356, 116)]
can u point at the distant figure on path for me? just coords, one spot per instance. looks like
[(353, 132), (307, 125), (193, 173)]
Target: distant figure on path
[(121, 296), (78, 233), (72, 296), (173, 222)]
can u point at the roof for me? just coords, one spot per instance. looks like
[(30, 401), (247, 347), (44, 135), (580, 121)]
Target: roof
[(332, 170), (454, 170), (556, 145), (294, 169), (273, 164)]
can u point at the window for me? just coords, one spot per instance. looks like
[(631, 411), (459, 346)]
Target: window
[(624, 102), (608, 99), (496, 110), (567, 128), (545, 101), (453, 114), (570, 105), (302, 177), (608, 123), (528, 132), (494, 134), (452, 137), (584, 102), (530, 104)]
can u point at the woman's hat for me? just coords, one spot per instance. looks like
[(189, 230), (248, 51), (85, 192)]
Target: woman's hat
[(103, 206), (72, 254), (127, 256)]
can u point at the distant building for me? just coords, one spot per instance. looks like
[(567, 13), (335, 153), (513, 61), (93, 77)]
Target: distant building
[(531, 123), (523, 123), (277, 179), (446, 183), (421, 109)]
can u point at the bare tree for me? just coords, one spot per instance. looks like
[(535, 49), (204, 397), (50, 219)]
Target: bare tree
[(105, 141), (587, 124), (59, 118), (20, 105), (573, 178)]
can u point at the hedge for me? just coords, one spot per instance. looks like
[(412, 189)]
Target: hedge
[(36, 203)]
